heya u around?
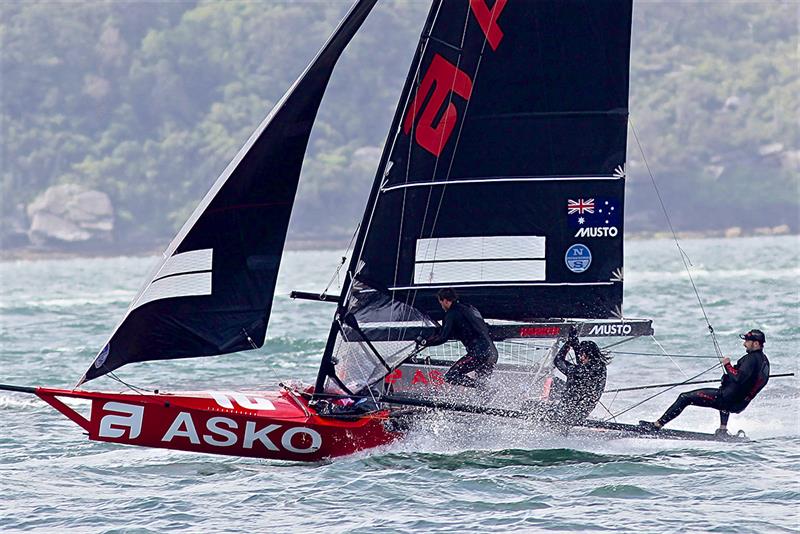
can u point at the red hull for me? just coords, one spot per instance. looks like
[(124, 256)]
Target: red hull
[(277, 425)]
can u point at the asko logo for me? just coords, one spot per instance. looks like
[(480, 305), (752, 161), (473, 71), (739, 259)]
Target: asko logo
[(610, 330), (124, 418), (224, 432), (216, 431), (441, 80)]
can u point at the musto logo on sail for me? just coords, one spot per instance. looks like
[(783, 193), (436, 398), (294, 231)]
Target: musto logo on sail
[(594, 217), (603, 231)]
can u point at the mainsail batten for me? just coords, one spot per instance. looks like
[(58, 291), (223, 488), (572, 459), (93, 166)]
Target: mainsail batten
[(237, 232), (512, 124)]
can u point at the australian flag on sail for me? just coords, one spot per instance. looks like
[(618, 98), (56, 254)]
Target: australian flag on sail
[(594, 216)]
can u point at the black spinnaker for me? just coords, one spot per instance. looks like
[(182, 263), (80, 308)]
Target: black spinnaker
[(212, 292), (503, 176)]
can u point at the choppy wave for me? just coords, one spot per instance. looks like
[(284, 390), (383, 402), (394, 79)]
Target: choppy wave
[(451, 473)]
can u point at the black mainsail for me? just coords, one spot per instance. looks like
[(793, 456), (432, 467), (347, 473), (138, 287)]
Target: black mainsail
[(503, 176), (212, 292)]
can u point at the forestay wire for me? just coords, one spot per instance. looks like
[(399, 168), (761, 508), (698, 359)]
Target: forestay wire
[(684, 256)]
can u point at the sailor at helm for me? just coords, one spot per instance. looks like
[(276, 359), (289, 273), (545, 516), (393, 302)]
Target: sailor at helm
[(586, 380), (464, 323), (740, 384)]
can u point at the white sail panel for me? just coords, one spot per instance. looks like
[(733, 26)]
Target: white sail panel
[(187, 262), (480, 271), (480, 248), (183, 285)]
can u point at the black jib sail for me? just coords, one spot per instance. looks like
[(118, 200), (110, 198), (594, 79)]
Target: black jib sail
[(212, 292), (503, 175)]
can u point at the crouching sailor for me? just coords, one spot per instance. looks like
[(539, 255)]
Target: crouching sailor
[(464, 323), (586, 380), (740, 384)]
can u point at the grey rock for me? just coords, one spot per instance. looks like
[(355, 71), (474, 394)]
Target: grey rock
[(70, 214)]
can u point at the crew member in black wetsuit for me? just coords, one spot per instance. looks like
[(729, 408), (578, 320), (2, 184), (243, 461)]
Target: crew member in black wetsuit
[(740, 384), (464, 323), (586, 380)]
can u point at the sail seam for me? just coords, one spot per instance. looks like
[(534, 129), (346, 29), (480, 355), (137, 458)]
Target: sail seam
[(495, 284), (455, 260), (498, 180), (171, 275), (534, 114)]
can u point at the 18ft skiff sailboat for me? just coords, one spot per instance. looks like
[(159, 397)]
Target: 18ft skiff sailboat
[(503, 176)]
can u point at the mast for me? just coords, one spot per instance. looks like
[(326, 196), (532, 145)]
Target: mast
[(503, 175), (326, 368)]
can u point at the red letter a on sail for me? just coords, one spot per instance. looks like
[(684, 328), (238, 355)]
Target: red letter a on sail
[(488, 19), (441, 79)]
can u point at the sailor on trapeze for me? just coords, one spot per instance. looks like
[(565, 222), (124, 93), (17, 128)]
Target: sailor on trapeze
[(464, 323), (586, 380), (740, 384)]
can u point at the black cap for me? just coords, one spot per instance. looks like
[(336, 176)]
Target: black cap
[(754, 335)]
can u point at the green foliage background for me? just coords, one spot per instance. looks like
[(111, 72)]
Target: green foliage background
[(149, 101)]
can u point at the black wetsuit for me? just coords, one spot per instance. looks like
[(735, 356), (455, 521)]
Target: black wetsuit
[(740, 384), (581, 393), (464, 323)]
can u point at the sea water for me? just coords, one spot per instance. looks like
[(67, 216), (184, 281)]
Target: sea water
[(456, 473)]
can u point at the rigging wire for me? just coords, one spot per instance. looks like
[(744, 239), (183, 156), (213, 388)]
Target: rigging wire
[(270, 365), (341, 264), (360, 368), (136, 389), (142, 391), (633, 353), (626, 410), (620, 342), (610, 404), (684, 256), (653, 337), (415, 91), (460, 126), (698, 356), (411, 296), (409, 299), (614, 417)]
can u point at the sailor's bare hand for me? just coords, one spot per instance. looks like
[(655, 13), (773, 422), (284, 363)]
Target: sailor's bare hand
[(726, 360)]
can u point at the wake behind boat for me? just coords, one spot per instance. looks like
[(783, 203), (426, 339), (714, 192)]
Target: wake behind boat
[(503, 176)]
